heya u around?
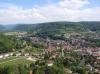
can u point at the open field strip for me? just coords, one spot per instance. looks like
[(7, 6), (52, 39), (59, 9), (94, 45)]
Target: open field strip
[(14, 61), (10, 60)]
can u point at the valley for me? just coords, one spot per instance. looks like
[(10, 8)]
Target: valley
[(64, 47)]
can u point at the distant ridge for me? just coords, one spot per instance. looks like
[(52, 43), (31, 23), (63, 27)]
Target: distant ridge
[(2, 28), (55, 26), (94, 26)]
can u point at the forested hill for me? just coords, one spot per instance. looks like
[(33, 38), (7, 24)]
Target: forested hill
[(60, 26), (51, 26), (2, 28), (93, 26), (54, 27), (24, 27)]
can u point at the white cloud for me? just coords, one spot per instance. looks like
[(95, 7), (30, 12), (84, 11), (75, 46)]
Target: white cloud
[(65, 10), (73, 4), (90, 14)]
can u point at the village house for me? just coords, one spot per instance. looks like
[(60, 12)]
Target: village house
[(90, 52), (98, 59), (96, 54), (89, 67), (50, 63)]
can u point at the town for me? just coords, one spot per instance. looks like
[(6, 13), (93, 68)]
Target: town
[(50, 49)]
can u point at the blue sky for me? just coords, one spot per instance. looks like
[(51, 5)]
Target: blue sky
[(31, 3), (34, 11), (95, 2), (28, 3)]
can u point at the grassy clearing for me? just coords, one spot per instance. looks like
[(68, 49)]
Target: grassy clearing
[(7, 59), (14, 61)]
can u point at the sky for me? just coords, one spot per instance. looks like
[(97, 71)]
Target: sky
[(38, 11)]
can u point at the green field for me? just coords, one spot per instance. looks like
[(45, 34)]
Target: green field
[(14, 61)]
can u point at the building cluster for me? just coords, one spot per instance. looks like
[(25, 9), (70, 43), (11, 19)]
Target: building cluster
[(54, 45)]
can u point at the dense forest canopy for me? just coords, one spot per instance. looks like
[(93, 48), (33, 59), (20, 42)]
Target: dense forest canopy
[(8, 43), (5, 43), (93, 26)]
